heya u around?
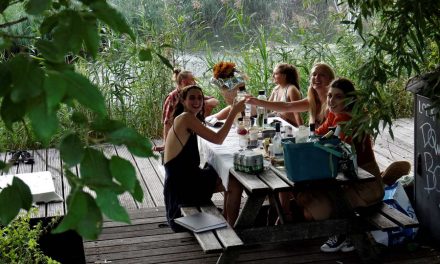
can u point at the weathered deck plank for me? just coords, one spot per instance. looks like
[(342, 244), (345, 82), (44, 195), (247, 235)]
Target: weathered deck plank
[(147, 200), (143, 241)]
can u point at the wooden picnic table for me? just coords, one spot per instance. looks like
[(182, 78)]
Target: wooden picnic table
[(273, 180)]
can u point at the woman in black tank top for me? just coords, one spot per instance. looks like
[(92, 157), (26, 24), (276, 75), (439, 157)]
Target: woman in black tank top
[(186, 184)]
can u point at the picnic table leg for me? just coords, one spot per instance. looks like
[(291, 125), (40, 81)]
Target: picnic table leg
[(276, 201), (250, 211), (366, 247), (228, 256)]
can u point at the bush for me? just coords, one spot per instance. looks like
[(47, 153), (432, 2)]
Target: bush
[(19, 242)]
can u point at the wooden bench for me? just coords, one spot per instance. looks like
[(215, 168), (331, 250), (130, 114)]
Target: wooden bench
[(356, 224), (222, 240)]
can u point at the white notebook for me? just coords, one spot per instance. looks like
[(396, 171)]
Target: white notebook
[(201, 222)]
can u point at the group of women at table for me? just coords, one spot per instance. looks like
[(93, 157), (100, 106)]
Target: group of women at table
[(329, 101)]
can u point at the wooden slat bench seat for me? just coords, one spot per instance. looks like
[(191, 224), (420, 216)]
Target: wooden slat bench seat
[(384, 217), (223, 240)]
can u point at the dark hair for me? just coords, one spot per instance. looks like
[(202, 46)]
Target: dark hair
[(292, 76), (182, 96), (347, 87)]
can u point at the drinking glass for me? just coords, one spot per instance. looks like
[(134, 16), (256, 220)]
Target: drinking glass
[(243, 141)]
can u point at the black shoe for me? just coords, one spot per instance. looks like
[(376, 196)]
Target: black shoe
[(27, 157), (16, 157)]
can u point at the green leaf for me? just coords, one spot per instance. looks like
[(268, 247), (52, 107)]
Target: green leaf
[(67, 35), (5, 43), (55, 88), (145, 55), (15, 196), (95, 169), (123, 171), (83, 216), (105, 124), (136, 143), (110, 206), (12, 112), (3, 5), (25, 193), (5, 79), (50, 51), (165, 61), (91, 36), (138, 194), (85, 92), (111, 17), (27, 78), (36, 7), (79, 118), (49, 23), (11, 197), (44, 121), (71, 149), (4, 166)]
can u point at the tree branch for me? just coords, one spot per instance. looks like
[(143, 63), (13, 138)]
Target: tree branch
[(8, 24)]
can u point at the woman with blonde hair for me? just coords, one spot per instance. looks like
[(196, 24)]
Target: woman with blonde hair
[(315, 102)]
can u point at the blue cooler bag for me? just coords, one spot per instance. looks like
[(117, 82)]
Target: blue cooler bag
[(311, 160)]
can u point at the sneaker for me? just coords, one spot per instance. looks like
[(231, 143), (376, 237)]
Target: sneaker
[(347, 246), (333, 244)]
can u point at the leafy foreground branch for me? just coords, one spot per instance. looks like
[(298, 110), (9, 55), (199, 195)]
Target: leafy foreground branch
[(35, 85), (405, 40)]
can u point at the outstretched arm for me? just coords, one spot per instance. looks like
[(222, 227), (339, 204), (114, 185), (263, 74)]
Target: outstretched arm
[(215, 137), (297, 106)]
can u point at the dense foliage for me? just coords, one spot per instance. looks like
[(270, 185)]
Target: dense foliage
[(19, 242), (39, 81)]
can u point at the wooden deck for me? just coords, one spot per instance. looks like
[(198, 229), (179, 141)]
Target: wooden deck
[(146, 241)]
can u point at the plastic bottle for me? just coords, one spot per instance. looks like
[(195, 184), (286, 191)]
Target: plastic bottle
[(302, 135), (261, 111), (312, 135), (276, 141)]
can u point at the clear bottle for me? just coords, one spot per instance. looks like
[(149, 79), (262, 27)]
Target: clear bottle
[(312, 135), (302, 135), (276, 141), (261, 111)]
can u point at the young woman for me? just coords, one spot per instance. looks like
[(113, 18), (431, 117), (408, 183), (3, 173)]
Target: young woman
[(185, 182), (182, 79), (316, 205), (287, 90), (320, 77)]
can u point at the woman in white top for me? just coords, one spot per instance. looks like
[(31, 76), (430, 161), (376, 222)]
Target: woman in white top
[(287, 90)]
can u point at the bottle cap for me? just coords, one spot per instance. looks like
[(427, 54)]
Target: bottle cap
[(261, 92), (277, 127), (312, 127)]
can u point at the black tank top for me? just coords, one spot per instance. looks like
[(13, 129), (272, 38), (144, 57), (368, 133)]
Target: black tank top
[(185, 183)]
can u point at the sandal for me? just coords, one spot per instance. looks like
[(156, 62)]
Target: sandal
[(27, 157), (15, 159)]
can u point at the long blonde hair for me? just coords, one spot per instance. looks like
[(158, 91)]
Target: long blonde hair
[(317, 109)]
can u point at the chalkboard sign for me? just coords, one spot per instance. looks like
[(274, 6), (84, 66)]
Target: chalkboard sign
[(427, 169)]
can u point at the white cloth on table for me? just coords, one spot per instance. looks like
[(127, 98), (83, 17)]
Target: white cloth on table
[(221, 157)]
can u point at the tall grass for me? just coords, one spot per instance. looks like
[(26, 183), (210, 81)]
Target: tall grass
[(256, 35)]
